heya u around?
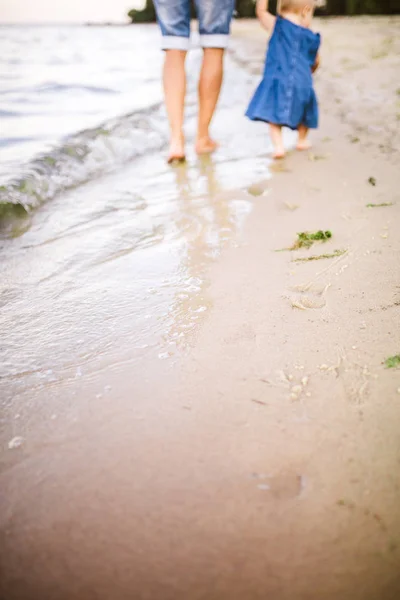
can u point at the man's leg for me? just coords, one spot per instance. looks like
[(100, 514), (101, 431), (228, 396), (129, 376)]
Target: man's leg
[(174, 91), (214, 25), (209, 89), (174, 21)]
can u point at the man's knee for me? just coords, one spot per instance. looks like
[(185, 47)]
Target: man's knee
[(215, 18)]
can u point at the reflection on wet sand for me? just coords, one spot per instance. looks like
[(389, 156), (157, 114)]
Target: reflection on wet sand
[(110, 278), (209, 218), (117, 270)]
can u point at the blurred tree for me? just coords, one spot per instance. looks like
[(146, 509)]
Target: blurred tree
[(246, 9), (359, 7), (146, 15)]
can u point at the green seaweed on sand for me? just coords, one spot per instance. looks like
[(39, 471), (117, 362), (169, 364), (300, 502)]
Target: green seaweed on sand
[(370, 205), (306, 239), (372, 181), (345, 503), (392, 362), (313, 157), (334, 254)]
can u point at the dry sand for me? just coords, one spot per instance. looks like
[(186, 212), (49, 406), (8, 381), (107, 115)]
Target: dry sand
[(265, 463)]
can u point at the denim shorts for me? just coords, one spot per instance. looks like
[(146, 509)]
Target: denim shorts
[(214, 17)]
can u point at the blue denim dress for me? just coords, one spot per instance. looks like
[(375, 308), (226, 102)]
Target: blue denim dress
[(286, 95)]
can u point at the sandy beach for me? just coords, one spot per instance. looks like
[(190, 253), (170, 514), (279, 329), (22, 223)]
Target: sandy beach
[(241, 441)]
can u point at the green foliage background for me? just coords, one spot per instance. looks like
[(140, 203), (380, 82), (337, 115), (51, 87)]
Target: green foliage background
[(245, 9)]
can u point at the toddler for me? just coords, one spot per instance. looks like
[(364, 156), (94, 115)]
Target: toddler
[(285, 96)]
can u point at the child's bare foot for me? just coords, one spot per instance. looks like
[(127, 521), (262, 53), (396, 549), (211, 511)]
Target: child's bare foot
[(303, 145), (277, 141), (177, 150), (205, 145), (279, 151)]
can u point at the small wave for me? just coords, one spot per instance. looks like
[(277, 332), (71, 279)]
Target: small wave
[(16, 140), (53, 87), (14, 219), (59, 87), (83, 157), (9, 113)]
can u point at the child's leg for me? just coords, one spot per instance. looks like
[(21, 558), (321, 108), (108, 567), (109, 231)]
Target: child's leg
[(275, 132), (303, 143)]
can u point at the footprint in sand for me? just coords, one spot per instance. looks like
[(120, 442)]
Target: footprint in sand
[(312, 295), (257, 189), (296, 387), (309, 296), (355, 379)]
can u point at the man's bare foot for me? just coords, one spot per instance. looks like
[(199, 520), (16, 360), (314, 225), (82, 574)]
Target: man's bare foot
[(303, 145), (206, 145), (177, 151)]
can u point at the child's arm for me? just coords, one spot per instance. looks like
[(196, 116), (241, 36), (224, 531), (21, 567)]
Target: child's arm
[(266, 19), (316, 64)]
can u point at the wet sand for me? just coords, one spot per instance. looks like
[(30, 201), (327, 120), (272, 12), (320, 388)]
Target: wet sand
[(259, 456)]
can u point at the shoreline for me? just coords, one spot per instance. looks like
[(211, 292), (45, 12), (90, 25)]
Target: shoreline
[(262, 461)]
